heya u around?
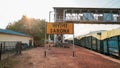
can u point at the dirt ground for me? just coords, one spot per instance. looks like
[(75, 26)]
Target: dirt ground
[(62, 58)]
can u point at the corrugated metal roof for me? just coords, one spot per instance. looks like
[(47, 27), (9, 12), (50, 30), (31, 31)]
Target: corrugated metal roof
[(94, 32), (12, 32)]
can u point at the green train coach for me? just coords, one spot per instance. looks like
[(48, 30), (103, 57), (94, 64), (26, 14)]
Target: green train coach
[(106, 42)]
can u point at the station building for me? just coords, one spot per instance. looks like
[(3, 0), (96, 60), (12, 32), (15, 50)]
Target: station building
[(12, 36)]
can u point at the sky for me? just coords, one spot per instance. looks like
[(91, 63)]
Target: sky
[(13, 10)]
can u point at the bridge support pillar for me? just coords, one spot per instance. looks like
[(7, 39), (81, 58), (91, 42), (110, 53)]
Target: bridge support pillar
[(58, 40)]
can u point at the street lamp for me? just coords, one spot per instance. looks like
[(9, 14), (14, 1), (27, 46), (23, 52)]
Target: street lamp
[(49, 39)]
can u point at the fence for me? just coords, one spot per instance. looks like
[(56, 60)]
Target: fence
[(8, 48)]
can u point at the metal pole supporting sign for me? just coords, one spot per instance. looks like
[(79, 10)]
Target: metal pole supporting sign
[(45, 42)]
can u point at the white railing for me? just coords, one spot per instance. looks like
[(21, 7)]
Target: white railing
[(82, 18)]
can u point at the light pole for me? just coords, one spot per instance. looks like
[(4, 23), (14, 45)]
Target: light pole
[(49, 34), (73, 42)]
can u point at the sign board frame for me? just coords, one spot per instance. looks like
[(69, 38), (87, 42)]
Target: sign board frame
[(68, 28)]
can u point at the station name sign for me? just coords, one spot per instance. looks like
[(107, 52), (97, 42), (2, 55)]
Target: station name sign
[(60, 28)]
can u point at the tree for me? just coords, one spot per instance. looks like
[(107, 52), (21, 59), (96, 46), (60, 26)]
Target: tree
[(31, 26)]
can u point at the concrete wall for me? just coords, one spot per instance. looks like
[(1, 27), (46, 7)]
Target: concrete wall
[(8, 37)]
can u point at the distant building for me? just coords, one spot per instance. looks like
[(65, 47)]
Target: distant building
[(12, 36)]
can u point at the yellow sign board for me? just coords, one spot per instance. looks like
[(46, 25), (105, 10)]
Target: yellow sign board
[(60, 28)]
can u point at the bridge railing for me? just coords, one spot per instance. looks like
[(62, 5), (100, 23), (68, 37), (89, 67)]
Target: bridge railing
[(89, 18)]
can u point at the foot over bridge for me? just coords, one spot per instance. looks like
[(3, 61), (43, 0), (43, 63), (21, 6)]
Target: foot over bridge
[(81, 15)]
